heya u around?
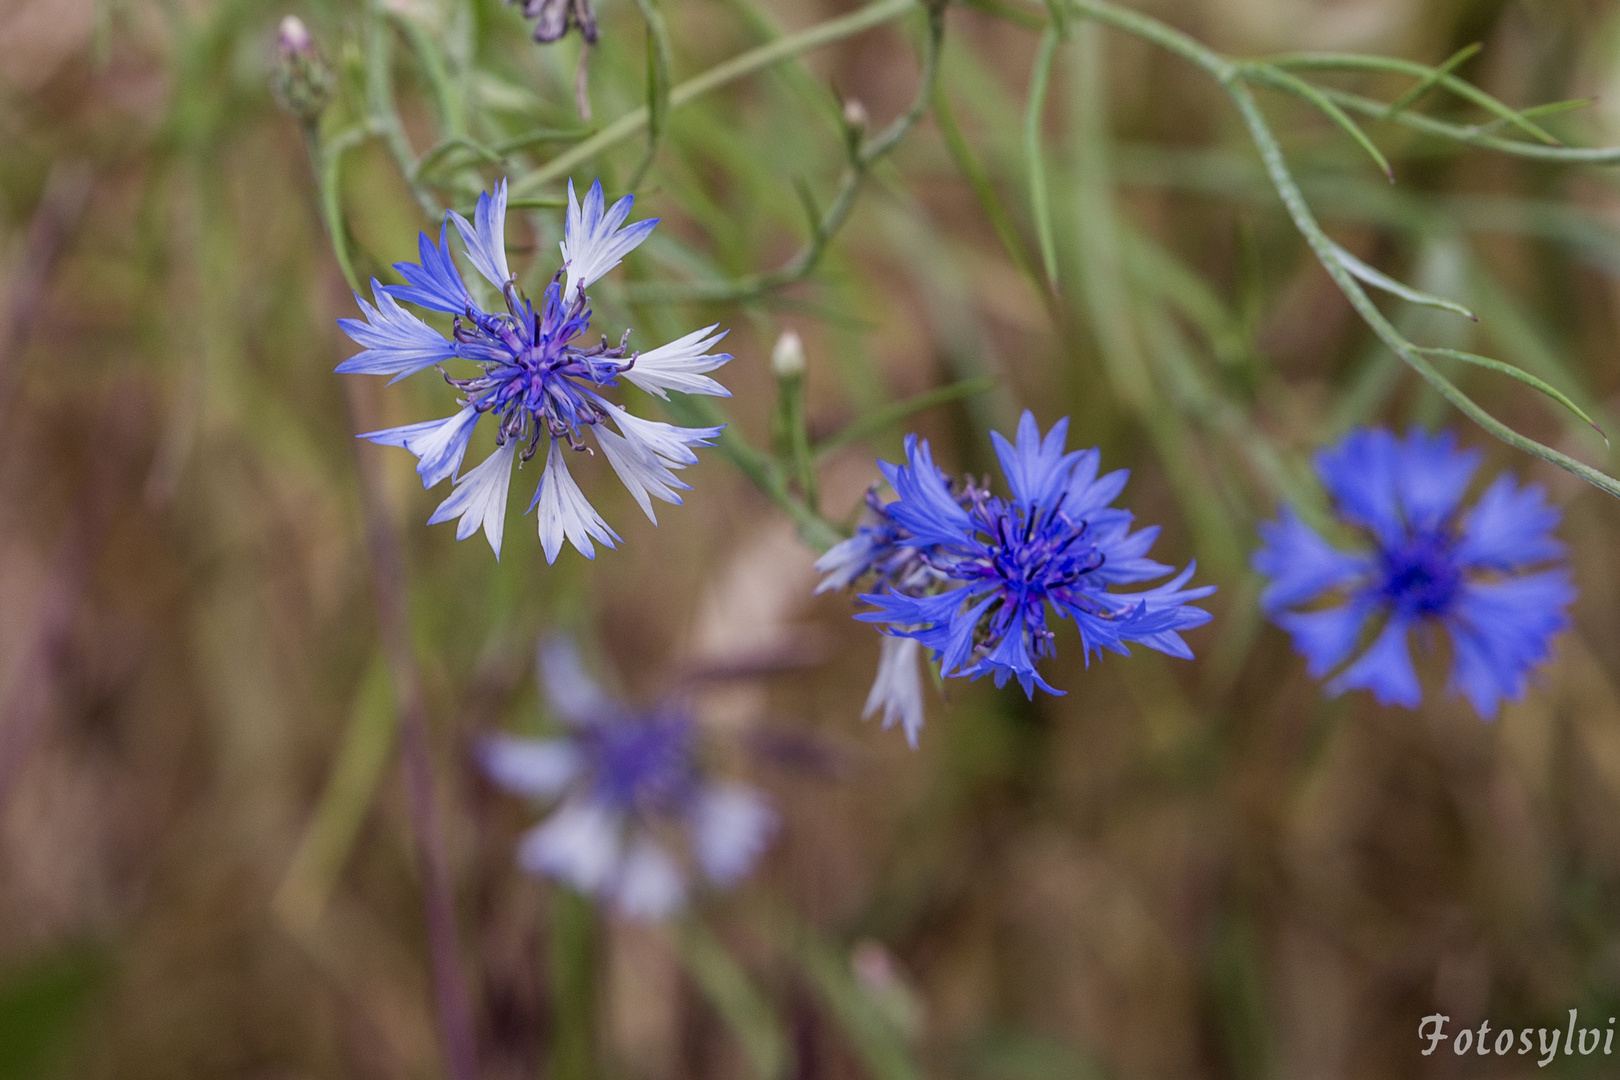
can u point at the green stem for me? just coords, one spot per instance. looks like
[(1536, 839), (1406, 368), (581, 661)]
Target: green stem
[(1294, 200), (863, 156), (380, 105), (749, 62)]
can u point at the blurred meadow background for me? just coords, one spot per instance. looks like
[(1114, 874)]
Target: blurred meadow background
[(1182, 870)]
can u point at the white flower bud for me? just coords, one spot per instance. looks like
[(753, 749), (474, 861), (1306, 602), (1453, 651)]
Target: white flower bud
[(787, 358)]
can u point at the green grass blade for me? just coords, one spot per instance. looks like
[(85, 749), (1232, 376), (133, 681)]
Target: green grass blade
[(1039, 200), (362, 759), (1293, 84), (660, 79), (727, 987), (1523, 376), (864, 1025), (1380, 280), (979, 180)]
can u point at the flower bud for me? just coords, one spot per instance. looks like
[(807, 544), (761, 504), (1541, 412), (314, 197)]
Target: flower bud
[(855, 116), (787, 358), (303, 81)]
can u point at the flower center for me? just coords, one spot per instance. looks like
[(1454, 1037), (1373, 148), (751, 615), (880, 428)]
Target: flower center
[(1420, 577), (1038, 551), (643, 764), (532, 370)]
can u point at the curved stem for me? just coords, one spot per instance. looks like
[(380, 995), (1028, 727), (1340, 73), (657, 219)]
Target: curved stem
[(1294, 200)]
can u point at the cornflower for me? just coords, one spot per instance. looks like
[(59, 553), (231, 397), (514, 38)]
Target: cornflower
[(1432, 564), (635, 809), (972, 576), (538, 380)]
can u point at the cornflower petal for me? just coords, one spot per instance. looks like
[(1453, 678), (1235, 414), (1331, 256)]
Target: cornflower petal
[(579, 844), (479, 498), (1502, 630), (649, 885), (439, 445), (1325, 638), (1433, 476), (673, 444), (1300, 565), (592, 242), (1089, 499), (926, 507), (680, 366), (564, 512), (1510, 526), (538, 768), (731, 827), (394, 341), (897, 689), (434, 283), (575, 697), (1385, 669), (1361, 472), (846, 560), (644, 474), (486, 240), (1036, 468)]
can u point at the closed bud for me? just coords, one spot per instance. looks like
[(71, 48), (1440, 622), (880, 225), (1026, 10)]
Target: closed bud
[(787, 358), (303, 81), (855, 116)]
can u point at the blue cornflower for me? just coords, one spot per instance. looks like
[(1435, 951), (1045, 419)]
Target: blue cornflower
[(1432, 563), (626, 784), (978, 574), (537, 378)]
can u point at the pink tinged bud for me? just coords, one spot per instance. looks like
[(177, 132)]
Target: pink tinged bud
[(293, 36)]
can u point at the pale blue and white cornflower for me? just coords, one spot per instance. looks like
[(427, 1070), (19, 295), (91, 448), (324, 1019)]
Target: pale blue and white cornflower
[(637, 819), (537, 377), (974, 577), (1492, 575)]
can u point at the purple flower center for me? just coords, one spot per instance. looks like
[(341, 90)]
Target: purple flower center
[(1420, 577), (1031, 553), (1026, 556), (642, 765), (534, 377)]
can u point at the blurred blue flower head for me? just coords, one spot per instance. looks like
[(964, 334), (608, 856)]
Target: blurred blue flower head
[(1432, 563), (972, 576), (635, 811), (538, 380)]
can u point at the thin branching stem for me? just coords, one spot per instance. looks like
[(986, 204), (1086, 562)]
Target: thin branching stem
[(738, 67), (1231, 75), (862, 157)]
